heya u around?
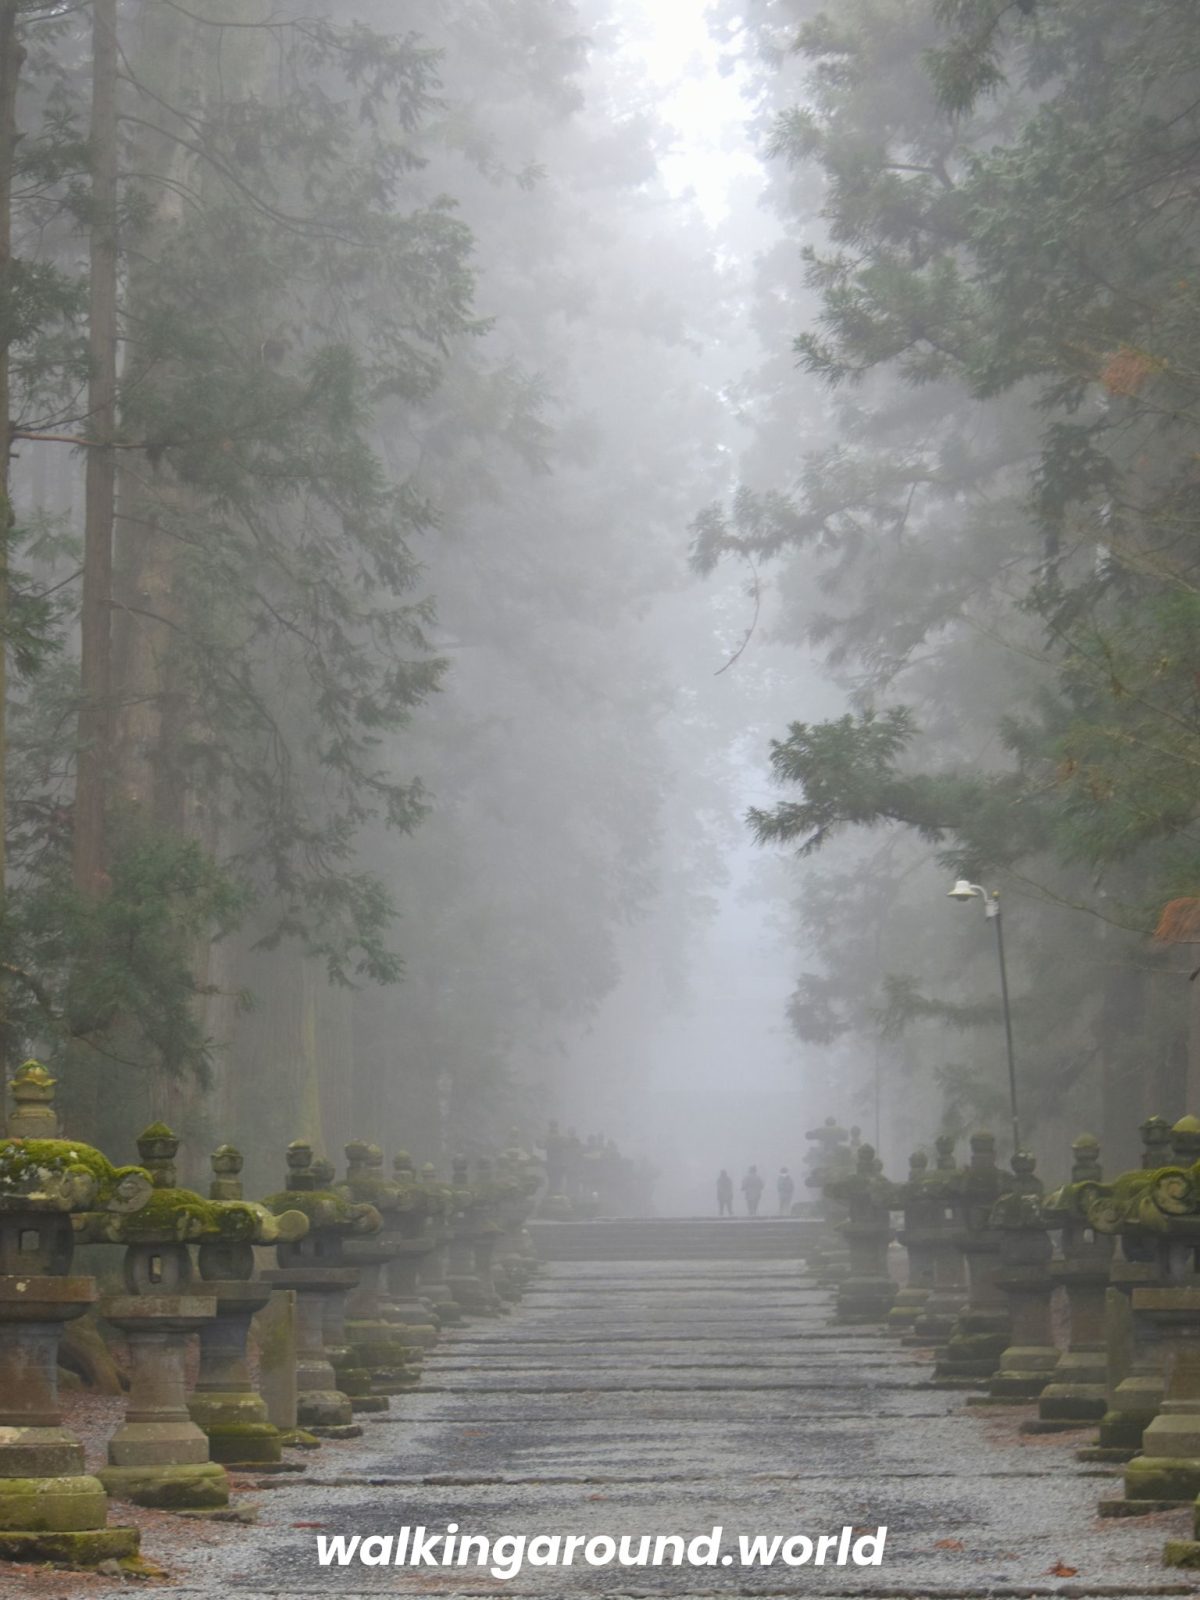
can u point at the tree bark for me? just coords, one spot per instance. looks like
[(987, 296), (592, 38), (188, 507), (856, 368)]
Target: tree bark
[(95, 665), (12, 54)]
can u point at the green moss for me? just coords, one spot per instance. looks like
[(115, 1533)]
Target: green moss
[(76, 1549), (324, 1208), (23, 1162), (176, 1214), (299, 1439)]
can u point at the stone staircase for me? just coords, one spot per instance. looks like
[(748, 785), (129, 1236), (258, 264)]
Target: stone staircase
[(675, 1239)]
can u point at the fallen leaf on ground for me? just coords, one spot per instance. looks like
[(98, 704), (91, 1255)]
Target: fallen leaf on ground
[(1060, 1569), (948, 1544)]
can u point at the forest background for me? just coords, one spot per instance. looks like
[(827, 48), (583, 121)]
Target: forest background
[(373, 758)]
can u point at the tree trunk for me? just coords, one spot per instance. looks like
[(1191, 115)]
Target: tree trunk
[(11, 56), (95, 663)]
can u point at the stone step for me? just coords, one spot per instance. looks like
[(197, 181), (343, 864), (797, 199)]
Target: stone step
[(675, 1239)]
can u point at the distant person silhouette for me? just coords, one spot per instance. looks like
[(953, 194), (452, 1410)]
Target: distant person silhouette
[(785, 1188), (752, 1188), (724, 1194)]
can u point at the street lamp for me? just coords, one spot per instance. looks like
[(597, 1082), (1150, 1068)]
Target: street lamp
[(963, 890)]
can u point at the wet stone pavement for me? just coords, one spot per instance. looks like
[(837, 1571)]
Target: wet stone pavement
[(666, 1398)]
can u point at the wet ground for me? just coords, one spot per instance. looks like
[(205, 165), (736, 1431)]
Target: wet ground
[(656, 1398)]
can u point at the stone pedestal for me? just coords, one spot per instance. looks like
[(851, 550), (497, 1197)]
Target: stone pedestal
[(432, 1271), (274, 1330), (315, 1268), (1134, 1383), (354, 1362), (51, 1509), (866, 1293), (1078, 1389), (225, 1403), (982, 1332), (947, 1295), (828, 1258), (476, 1297), (1023, 1277), (1168, 1468), (158, 1456), (321, 1406), (918, 1236)]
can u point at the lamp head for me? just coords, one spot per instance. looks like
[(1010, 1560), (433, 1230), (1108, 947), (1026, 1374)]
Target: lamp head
[(963, 890)]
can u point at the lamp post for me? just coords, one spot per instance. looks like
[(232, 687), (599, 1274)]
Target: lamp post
[(963, 890)]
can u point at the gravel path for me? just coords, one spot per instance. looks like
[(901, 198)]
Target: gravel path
[(669, 1398)]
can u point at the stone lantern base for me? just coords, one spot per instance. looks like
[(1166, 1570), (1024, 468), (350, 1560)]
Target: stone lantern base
[(50, 1508), (170, 1486), (1023, 1372), (864, 1299), (973, 1351), (80, 1548), (1077, 1392), (906, 1308), (158, 1457), (1184, 1552), (392, 1366)]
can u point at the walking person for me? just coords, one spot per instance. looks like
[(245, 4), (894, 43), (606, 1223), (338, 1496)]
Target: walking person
[(752, 1188), (785, 1188), (724, 1194)]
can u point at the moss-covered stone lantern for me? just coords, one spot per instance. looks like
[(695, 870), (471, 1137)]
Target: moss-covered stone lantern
[(517, 1184), (867, 1292), (381, 1340), (1162, 1206), (918, 1236), (50, 1508), (225, 1403), (432, 1274), (1078, 1391), (982, 1331), (472, 1239), (936, 1318), (159, 1456), (1023, 1276), (414, 1204), (316, 1268), (829, 1158)]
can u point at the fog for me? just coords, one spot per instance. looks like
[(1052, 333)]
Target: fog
[(547, 534)]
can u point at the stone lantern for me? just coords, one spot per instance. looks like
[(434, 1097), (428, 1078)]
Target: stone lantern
[(50, 1508), (470, 1245), (225, 1402), (1164, 1204), (982, 1331), (918, 1236), (867, 1292), (1134, 1377), (1077, 1391), (517, 1184), (159, 1456), (936, 1318), (556, 1204), (380, 1337), (316, 1268), (413, 1241), (432, 1284), (1023, 1276), (830, 1158)]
